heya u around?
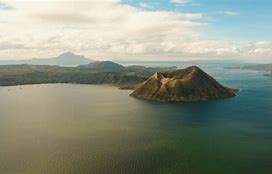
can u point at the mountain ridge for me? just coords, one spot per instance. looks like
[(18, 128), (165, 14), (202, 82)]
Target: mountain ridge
[(99, 72), (64, 59)]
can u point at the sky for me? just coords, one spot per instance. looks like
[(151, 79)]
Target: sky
[(149, 30)]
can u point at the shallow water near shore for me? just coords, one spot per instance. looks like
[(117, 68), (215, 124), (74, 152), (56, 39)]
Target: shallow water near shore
[(66, 128)]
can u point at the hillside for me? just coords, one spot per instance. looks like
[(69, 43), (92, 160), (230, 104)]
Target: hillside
[(103, 72), (189, 84), (107, 66)]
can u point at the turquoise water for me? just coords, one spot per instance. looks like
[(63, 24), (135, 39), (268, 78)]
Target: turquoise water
[(65, 128)]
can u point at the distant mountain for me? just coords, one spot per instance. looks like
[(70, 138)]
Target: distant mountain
[(65, 59), (189, 84), (104, 66)]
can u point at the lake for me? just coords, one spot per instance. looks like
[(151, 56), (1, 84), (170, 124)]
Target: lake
[(71, 129)]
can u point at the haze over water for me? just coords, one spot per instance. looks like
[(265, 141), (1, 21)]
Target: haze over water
[(65, 128)]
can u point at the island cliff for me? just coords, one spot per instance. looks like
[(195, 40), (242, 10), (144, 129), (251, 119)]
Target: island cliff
[(189, 84)]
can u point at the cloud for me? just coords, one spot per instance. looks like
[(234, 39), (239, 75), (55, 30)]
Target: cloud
[(229, 13), (65, 18), (180, 2), (145, 5), (109, 29), (4, 6), (228, 49), (96, 28), (184, 3)]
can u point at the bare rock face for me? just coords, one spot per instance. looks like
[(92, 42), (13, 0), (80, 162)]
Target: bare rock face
[(189, 84)]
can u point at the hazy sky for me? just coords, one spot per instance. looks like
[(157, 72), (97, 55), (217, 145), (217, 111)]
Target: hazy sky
[(133, 29)]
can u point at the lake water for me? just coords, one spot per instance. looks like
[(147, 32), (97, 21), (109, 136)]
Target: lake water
[(65, 128)]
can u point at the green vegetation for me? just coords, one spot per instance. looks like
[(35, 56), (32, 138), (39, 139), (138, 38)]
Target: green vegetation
[(104, 72)]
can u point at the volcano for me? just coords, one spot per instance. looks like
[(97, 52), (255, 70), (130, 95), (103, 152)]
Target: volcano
[(182, 85)]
